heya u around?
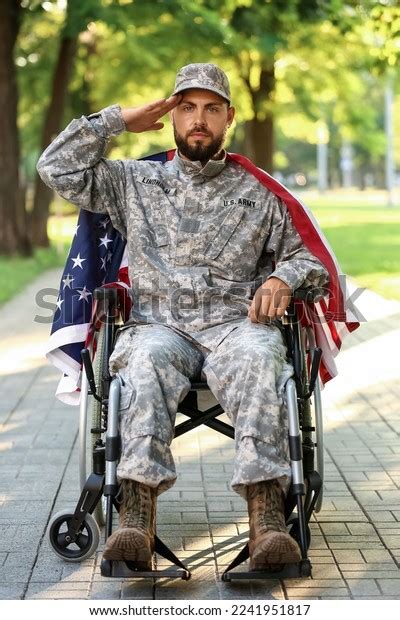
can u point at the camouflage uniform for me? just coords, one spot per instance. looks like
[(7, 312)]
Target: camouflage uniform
[(200, 241)]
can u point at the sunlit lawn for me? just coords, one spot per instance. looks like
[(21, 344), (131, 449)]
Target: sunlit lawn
[(17, 272), (366, 240)]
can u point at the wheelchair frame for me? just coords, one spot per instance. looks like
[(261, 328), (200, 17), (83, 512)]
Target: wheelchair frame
[(75, 536)]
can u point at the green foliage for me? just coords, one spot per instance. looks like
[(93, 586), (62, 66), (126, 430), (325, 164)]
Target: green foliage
[(366, 241), (328, 57), (17, 272)]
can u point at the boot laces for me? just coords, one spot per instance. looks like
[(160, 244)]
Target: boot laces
[(134, 505)]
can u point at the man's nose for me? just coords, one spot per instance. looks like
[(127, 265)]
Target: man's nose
[(199, 119)]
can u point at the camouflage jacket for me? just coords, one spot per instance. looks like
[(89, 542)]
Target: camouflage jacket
[(200, 239)]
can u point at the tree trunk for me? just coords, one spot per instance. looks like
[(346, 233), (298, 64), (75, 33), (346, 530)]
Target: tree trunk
[(260, 130), (13, 228), (51, 128), (262, 134)]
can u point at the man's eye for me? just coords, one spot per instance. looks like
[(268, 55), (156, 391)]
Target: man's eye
[(187, 108)]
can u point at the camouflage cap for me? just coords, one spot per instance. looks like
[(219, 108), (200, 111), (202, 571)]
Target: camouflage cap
[(205, 76)]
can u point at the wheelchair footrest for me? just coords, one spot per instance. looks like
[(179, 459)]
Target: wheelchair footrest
[(289, 571), (113, 568)]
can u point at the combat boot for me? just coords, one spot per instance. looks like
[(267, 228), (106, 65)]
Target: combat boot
[(270, 545), (133, 540)]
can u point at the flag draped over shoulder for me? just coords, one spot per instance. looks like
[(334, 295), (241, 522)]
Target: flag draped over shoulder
[(334, 316), (97, 258)]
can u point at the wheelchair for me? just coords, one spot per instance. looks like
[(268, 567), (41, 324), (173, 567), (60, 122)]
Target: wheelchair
[(74, 536)]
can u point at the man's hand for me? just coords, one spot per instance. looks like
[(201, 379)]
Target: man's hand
[(146, 117), (270, 301)]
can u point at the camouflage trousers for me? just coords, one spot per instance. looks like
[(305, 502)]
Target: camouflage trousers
[(246, 373)]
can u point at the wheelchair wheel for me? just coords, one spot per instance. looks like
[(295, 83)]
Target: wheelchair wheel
[(95, 409), (319, 430), (85, 544)]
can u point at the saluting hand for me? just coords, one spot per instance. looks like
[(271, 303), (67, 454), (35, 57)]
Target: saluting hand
[(145, 118), (270, 301)]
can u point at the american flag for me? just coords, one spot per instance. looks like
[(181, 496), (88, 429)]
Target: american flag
[(97, 257)]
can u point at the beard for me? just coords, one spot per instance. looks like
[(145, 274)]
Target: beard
[(199, 151)]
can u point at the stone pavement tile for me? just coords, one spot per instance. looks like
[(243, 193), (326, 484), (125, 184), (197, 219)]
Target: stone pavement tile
[(20, 558), (194, 517), (389, 586), (47, 569), (369, 571), (338, 515), (318, 542), (376, 555), (12, 591), (171, 518), (270, 590), (82, 571), (174, 542), (240, 590), (334, 528), (228, 529), (20, 537), (391, 541), (379, 516), (361, 528), (77, 590), (313, 592), (363, 587), (178, 589), (23, 512), (392, 527), (12, 574), (107, 590), (137, 589), (353, 543), (199, 543), (184, 528), (345, 556), (325, 571)]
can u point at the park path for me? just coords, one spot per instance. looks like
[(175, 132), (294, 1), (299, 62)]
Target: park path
[(355, 547)]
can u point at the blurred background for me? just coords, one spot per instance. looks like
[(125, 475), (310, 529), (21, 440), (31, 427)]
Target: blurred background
[(315, 84)]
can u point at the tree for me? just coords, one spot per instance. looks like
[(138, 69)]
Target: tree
[(13, 236), (77, 16)]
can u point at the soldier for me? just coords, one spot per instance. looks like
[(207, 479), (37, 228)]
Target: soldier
[(213, 261)]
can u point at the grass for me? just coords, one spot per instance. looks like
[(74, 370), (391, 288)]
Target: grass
[(17, 272), (365, 238), (366, 241)]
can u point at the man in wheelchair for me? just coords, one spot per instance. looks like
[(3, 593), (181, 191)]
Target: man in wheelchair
[(213, 261)]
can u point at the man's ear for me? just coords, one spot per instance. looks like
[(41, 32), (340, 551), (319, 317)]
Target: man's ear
[(231, 115)]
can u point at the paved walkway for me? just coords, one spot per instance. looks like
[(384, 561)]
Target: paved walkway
[(355, 547)]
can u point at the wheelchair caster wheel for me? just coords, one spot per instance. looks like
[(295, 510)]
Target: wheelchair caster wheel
[(85, 544)]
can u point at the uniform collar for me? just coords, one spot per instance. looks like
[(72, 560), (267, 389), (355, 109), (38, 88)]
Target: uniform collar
[(195, 168)]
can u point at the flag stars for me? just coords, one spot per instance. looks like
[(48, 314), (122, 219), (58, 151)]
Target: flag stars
[(104, 223), (76, 230), (59, 303), (67, 281), (78, 261), (84, 294), (103, 263), (105, 240)]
